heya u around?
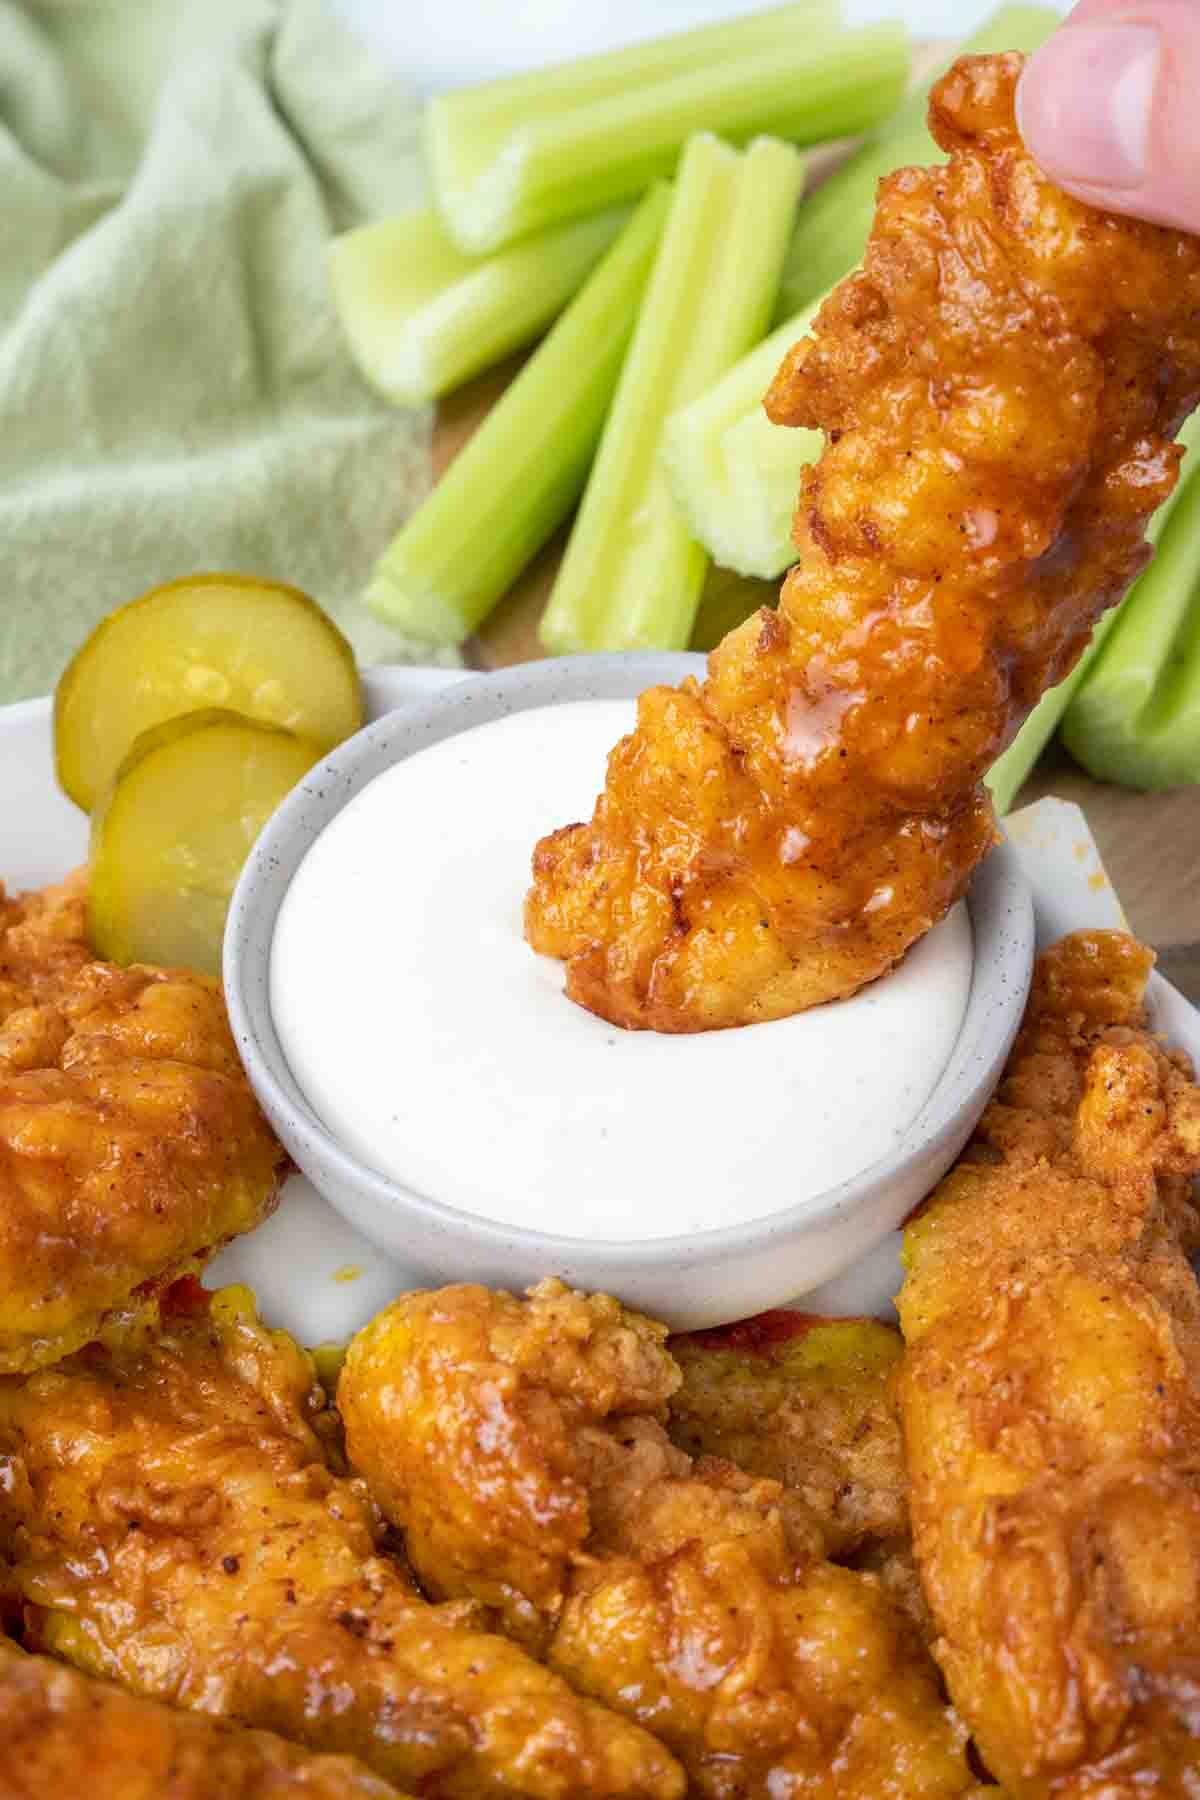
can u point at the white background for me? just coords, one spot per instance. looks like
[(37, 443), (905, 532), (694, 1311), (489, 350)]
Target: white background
[(437, 43)]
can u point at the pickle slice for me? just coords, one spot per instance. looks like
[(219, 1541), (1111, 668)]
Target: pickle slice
[(172, 832), (252, 647)]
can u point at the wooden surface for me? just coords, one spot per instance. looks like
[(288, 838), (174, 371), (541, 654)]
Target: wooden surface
[(1150, 842)]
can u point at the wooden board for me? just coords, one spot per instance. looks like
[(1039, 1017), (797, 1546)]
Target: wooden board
[(1150, 842)]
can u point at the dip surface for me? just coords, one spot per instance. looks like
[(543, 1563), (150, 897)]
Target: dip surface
[(434, 1044)]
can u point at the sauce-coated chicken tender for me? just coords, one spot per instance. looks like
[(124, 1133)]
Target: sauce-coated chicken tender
[(809, 1402), (1051, 1399), (999, 386), (131, 1144), (43, 939), (520, 1445), (172, 1521), (476, 1419), (62, 1734)]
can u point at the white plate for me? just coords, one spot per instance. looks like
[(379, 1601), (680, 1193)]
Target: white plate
[(311, 1271)]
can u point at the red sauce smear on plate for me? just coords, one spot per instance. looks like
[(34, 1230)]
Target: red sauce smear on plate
[(760, 1335)]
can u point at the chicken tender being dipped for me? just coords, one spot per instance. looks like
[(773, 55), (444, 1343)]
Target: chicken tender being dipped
[(62, 1734), (520, 1445), (1051, 1399), (131, 1144), (999, 386), (172, 1521)]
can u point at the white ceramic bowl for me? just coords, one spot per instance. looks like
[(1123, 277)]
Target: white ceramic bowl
[(704, 1279)]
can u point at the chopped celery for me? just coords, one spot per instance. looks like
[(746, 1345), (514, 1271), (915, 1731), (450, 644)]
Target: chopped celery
[(832, 229), (734, 473), (514, 157), (523, 470), (549, 91), (632, 575), (422, 317), (1135, 716), (727, 602), (1009, 773)]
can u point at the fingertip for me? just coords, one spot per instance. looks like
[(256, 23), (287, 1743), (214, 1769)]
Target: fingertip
[(1028, 105), (1085, 102)]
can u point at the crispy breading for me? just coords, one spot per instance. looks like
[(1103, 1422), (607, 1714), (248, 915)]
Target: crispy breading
[(43, 937), (892, 1561), (999, 386), (172, 1522), (809, 1402), (520, 1446), (1051, 1399), (63, 1734), (131, 1144), (475, 1416)]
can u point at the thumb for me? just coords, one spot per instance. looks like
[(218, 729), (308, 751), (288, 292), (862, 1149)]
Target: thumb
[(1108, 108)]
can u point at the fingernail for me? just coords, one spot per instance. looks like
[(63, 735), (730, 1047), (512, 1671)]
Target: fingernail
[(1085, 101)]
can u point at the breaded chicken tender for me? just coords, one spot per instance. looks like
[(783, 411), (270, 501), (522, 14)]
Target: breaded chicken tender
[(809, 1402), (43, 939), (520, 1445), (475, 1418), (999, 386), (1051, 1399), (62, 1734), (131, 1144), (172, 1522)]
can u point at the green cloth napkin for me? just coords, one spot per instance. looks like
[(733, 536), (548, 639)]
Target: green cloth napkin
[(174, 391)]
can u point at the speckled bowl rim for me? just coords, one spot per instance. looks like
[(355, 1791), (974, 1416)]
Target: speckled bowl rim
[(999, 901)]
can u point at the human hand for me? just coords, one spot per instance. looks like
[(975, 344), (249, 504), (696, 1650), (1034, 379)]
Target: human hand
[(1110, 107)]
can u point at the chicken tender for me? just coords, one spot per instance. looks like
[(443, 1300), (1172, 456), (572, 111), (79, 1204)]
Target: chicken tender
[(131, 1145), (999, 386), (476, 1418), (809, 1402), (62, 1734), (173, 1523), (1051, 1399), (520, 1446), (43, 939)]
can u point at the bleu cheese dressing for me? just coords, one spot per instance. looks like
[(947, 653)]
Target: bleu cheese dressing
[(433, 1043)]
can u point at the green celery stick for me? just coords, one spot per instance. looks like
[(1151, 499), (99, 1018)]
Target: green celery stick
[(727, 602), (549, 91), (1010, 772), (518, 477), (1135, 716), (467, 130), (507, 160), (632, 575), (735, 474), (422, 317), (1172, 721), (832, 230)]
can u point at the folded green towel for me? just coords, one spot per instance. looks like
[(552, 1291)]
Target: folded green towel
[(174, 391)]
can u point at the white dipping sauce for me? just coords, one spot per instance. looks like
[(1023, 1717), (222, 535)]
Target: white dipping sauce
[(431, 1041)]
